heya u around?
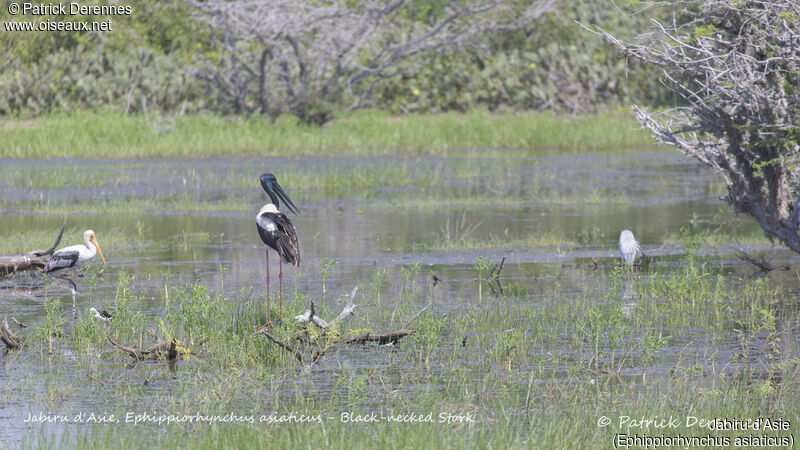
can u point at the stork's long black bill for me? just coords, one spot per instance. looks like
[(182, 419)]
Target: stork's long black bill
[(285, 199)]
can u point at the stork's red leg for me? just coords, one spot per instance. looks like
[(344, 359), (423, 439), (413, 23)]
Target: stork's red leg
[(268, 316), (280, 284)]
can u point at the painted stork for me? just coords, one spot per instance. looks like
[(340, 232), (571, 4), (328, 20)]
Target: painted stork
[(277, 232), (628, 247), (73, 257)]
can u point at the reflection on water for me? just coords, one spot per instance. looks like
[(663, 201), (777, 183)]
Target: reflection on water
[(364, 231), (626, 296)]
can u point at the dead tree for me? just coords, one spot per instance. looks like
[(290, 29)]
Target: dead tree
[(317, 347), (310, 315), (304, 57), (735, 68), (30, 261)]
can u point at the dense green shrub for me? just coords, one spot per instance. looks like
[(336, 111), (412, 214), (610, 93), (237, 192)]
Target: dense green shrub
[(556, 64), (79, 78), (150, 62)]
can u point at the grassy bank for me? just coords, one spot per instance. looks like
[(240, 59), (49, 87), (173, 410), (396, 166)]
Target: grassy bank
[(108, 135)]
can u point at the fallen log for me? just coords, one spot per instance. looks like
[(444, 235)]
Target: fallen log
[(391, 337), (32, 260), (162, 349), (9, 338), (381, 339)]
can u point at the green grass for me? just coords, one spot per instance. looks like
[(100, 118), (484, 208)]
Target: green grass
[(182, 203), (717, 237), (112, 135), (537, 197), (13, 242), (535, 372), (450, 240)]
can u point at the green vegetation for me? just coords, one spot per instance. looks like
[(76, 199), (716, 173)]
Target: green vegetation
[(551, 64), (531, 371), (94, 135), (12, 241)]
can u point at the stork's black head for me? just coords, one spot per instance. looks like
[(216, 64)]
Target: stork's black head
[(267, 180), (276, 192)]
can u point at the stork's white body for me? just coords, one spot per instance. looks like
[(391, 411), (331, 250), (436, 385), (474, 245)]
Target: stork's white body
[(74, 256)]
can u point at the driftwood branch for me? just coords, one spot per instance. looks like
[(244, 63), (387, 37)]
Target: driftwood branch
[(381, 339), (310, 316), (32, 260), (391, 337), (417, 315), (9, 338), (52, 248), (317, 352), (160, 350)]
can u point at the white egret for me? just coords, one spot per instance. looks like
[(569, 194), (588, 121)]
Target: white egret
[(628, 247)]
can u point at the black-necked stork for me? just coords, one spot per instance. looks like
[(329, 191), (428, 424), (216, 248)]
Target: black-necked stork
[(628, 247), (74, 256), (277, 231)]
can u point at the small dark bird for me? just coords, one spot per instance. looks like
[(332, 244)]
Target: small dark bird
[(102, 314), (277, 231), (436, 280)]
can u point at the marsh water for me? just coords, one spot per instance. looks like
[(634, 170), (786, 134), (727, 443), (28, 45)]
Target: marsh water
[(554, 218)]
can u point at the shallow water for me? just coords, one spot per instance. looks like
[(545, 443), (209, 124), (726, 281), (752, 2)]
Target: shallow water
[(363, 229)]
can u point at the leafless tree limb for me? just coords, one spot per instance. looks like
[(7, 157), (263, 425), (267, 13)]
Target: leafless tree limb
[(30, 261), (162, 349), (310, 316), (762, 264), (317, 351), (301, 57), (735, 65), (9, 338)]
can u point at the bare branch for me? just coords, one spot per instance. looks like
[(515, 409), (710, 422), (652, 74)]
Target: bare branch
[(735, 65), (326, 53), (9, 338)]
